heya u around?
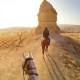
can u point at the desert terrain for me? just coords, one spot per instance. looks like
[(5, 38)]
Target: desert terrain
[(64, 49)]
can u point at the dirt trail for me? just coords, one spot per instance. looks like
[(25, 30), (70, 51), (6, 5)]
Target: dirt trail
[(60, 51), (35, 48), (13, 62)]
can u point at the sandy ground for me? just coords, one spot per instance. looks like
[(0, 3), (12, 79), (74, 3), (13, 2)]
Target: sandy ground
[(64, 49)]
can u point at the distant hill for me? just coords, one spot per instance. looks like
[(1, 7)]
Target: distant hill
[(69, 28), (63, 28)]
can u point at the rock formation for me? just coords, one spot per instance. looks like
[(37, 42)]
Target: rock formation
[(47, 17)]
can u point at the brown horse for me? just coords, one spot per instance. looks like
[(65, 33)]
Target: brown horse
[(45, 43)]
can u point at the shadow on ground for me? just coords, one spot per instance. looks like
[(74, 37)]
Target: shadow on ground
[(68, 44), (71, 56)]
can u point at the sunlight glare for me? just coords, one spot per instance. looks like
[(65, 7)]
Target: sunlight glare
[(18, 13)]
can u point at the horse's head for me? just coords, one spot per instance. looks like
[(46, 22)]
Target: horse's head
[(28, 63), (26, 58)]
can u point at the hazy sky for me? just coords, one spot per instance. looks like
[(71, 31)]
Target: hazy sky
[(68, 11), (15, 13)]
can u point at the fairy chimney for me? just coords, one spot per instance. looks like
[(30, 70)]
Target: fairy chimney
[(47, 17)]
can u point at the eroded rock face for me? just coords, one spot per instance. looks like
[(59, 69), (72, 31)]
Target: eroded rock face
[(47, 17)]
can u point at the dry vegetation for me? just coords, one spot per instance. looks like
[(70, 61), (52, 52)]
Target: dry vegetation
[(15, 38), (64, 48)]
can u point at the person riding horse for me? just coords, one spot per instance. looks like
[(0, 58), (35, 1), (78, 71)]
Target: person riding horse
[(45, 33), (46, 40)]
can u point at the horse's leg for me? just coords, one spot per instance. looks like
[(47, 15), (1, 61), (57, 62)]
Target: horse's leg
[(46, 45), (43, 46)]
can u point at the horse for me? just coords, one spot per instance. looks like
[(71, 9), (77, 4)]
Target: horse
[(45, 42)]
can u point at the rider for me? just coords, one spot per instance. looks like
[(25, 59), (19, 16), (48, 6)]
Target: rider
[(45, 33), (46, 36)]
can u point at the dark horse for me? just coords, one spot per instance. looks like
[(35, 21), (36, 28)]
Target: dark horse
[(45, 42)]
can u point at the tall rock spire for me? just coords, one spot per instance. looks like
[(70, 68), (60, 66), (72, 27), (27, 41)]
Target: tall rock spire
[(47, 17)]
